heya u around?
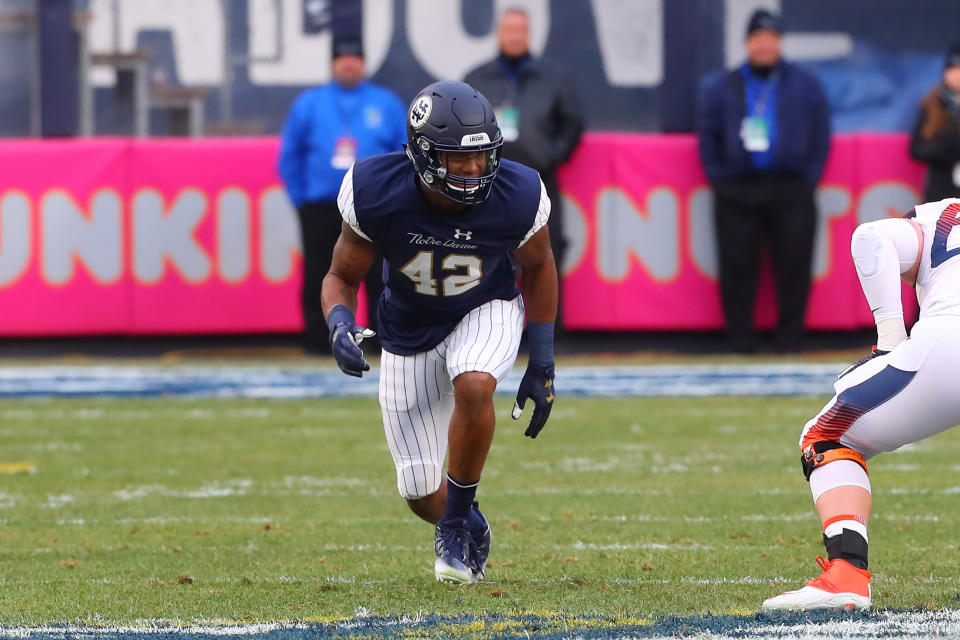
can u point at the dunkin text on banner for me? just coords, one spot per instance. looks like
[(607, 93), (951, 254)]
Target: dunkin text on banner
[(160, 236)]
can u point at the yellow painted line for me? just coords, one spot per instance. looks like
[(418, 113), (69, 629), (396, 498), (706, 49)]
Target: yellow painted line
[(17, 467), (328, 619), (541, 613), (549, 621)]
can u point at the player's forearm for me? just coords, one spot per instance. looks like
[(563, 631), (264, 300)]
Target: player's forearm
[(338, 291), (539, 285)]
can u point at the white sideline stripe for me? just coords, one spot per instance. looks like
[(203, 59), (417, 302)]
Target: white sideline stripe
[(160, 627), (945, 623), (886, 624), (310, 382)]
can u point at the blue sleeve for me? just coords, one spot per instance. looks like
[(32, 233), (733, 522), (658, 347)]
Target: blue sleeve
[(293, 151), (820, 128), (710, 127)]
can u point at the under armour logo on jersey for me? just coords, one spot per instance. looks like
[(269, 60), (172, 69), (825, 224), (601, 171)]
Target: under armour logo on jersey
[(462, 235)]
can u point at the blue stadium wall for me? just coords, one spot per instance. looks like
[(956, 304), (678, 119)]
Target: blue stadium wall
[(636, 63)]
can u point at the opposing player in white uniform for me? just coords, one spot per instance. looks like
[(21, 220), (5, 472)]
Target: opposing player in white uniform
[(902, 392), (451, 220)]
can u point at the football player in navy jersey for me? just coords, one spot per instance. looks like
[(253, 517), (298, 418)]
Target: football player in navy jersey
[(453, 221)]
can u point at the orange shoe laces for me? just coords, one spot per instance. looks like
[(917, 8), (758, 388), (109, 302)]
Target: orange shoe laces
[(822, 582)]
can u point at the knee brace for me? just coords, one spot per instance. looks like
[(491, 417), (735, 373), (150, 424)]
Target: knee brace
[(825, 452)]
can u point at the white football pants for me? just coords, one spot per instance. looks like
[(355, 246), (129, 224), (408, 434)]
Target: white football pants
[(902, 397), (416, 392)]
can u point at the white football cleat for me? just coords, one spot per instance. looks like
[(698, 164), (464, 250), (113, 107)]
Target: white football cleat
[(841, 586), (451, 545)]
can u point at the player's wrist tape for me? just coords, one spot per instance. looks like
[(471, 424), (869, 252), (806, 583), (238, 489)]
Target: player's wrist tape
[(339, 315), (890, 333), (540, 335)]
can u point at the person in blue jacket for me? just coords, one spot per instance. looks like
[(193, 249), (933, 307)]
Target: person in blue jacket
[(327, 129), (764, 136)]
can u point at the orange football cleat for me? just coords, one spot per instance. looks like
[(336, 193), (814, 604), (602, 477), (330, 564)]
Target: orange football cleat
[(840, 586)]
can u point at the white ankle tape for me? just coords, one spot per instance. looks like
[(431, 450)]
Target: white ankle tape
[(836, 528)]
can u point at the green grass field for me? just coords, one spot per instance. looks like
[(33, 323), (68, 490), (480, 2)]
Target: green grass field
[(229, 510)]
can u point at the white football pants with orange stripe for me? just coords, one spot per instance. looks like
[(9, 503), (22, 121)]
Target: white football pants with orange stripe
[(895, 399)]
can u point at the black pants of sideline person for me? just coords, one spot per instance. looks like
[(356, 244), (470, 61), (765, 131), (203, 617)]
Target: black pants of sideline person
[(558, 242), (319, 230), (777, 212)]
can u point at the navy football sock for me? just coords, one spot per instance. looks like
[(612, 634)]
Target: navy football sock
[(459, 500)]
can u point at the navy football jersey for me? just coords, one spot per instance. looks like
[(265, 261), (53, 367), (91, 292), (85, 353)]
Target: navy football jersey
[(439, 267)]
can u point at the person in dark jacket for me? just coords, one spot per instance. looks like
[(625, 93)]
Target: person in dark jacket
[(936, 133), (327, 128), (538, 112), (764, 136)]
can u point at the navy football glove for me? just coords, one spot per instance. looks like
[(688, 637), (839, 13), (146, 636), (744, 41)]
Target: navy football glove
[(874, 353), (345, 339), (537, 384)]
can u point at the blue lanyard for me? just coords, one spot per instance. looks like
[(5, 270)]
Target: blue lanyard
[(347, 107), (760, 104)]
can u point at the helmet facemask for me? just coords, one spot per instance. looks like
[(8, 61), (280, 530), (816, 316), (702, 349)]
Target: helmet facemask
[(446, 122), (437, 165)]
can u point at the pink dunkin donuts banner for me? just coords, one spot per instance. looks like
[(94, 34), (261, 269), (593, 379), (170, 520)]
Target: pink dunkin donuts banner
[(177, 236), (146, 237), (642, 253)]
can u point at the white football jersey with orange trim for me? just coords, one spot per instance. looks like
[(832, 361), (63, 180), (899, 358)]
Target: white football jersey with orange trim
[(938, 282)]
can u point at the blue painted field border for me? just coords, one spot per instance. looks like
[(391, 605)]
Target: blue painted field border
[(319, 382), (539, 626)]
